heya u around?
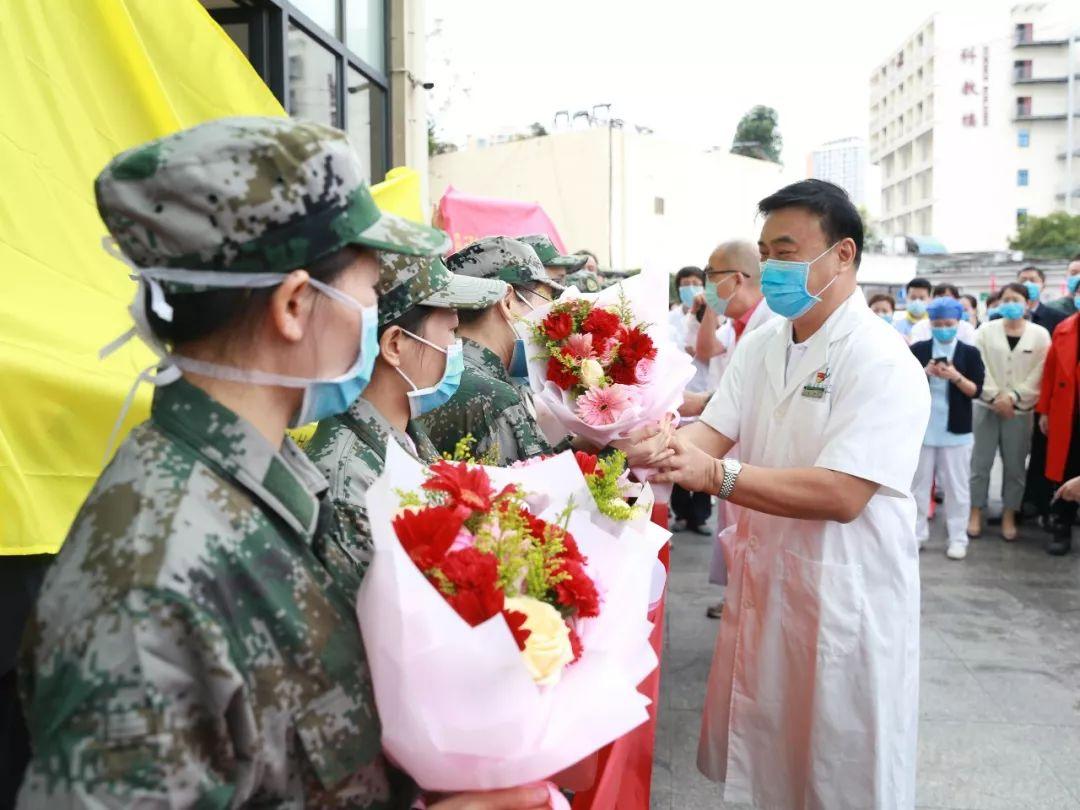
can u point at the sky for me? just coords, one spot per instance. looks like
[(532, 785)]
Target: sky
[(686, 69)]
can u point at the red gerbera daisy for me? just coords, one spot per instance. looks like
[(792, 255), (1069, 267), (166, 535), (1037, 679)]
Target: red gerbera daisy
[(536, 525), (515, 620), (577, 591), (557, 326), (635, 345), (601, 324), (559, 374), (587, 462), (427, 534), (466, 486), (474, 576)]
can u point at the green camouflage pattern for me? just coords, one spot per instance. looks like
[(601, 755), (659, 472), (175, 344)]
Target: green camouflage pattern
[(503, 258), (350, 451), (407, 281), (488, 406), (549, 254), (195, 642), (585, 281), (248, 195)]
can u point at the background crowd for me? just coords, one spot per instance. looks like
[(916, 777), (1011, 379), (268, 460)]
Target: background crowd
[(1002, 376)]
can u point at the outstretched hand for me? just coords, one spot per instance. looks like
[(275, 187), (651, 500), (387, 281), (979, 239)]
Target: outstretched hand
[(647, 446), (690, 467), (534, 797)]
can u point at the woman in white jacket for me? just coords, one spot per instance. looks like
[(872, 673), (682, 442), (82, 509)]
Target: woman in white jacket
[(1013, 351)]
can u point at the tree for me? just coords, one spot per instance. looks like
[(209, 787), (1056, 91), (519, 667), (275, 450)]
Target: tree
[(757, 135), (1055, 236), (537, 130), (434, 145)]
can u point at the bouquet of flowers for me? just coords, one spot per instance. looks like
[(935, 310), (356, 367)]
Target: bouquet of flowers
[(595, 360), (506, 633)]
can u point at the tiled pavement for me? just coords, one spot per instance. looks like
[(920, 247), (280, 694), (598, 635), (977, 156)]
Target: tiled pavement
[(1000, 694)]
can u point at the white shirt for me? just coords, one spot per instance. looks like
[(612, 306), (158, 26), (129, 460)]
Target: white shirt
[(1014, 371), (813, 695), (920, 331)]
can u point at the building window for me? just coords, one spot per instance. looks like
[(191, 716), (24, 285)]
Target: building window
[(658, 206), (325, 60), (1024, 33), (1023, 138), (1021, 217), (1022, 69), (1022, 177), (1023, 106)]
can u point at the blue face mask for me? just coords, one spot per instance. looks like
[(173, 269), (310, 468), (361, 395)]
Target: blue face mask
[(712, 296), (519, 358), (1076, 301), (993, 312), (1071, 283), (423, 400), (784, 286), (1012, 310), (916, 307), (886, 316), (688, 293), (1034, 290), (944, 334)]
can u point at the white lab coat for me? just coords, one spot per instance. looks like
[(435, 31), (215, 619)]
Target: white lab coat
[(812, 700)]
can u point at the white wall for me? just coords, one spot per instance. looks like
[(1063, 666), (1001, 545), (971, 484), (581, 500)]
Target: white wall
[(707, 197)]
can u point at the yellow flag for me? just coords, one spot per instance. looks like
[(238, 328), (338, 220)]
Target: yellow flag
[(399, 194), (83, 80)]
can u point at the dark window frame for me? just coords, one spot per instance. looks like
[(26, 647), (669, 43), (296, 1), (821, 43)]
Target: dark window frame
[(268, 23)]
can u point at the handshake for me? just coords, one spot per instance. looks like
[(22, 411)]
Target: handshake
[(672, 457)]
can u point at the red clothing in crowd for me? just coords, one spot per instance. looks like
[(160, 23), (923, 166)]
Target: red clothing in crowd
[(1057, 397)]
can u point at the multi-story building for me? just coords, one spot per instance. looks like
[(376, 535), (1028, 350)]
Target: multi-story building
[(354, 65), (968, 123), (842, 162), (1041, 88)]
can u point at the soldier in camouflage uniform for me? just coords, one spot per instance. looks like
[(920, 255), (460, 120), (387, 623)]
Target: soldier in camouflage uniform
[(194, 644), (488, 406), (556, 264), (585, 281), (417, 297)]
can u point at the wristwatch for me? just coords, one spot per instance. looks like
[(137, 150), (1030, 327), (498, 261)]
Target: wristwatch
[(732, 468)]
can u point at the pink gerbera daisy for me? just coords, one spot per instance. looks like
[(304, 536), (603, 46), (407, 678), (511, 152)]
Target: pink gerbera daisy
[(580, 346), (604, 406)]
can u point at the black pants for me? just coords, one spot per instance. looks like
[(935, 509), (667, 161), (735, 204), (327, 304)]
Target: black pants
[(1037, 489), (1065, 511), (693, 507), (20, 579)]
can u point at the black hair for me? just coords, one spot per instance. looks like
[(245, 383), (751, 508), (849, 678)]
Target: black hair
[(467, 317), (198, 315), (950, 290), (411, 320), (838, 217), (995, 296), (689, 272), (888, 299), (918, 284), (971, 300), (1075, 258), (1033, 269), (1017, 287)]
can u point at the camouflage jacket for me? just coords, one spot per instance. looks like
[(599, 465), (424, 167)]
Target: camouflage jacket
[(489, 407), (191, 645), (350, 450)]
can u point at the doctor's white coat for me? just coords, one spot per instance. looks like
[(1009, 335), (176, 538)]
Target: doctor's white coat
[(812, 699)]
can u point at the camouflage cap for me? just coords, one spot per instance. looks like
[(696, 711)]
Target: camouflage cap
[(503, 258), (409, 281), (584, 280), (261, 195), (549, 255)]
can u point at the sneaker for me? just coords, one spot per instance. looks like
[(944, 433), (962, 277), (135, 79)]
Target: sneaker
[(956, 551)]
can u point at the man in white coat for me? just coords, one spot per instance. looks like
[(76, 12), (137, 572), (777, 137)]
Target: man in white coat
[(812, 700)]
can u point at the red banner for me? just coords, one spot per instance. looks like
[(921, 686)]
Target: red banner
[(468, 218)]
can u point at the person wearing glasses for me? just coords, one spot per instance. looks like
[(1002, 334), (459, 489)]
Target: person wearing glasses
[(733, 291)]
